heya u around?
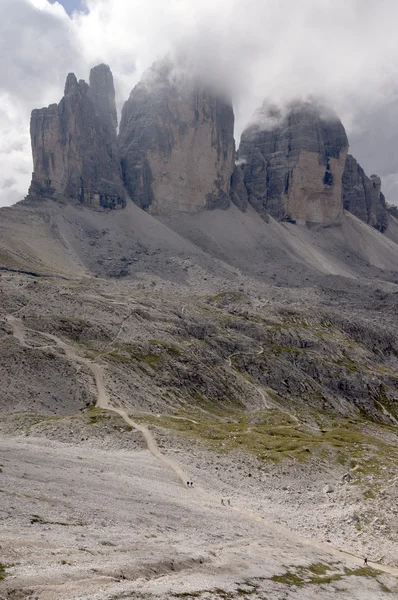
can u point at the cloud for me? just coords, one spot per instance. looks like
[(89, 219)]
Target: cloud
[(38, 46), (342, 50)]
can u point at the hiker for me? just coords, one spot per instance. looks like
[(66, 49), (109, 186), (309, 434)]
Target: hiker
[(191, 483), (365, 561), (222, 501), (188, 483), (229, 502)]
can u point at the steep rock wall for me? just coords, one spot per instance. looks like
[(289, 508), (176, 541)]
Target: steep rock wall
[(294, 163), (362, 195), (176, 144), (74, 144)]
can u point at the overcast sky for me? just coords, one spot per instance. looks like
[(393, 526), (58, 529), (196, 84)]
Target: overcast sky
[(343, 50)]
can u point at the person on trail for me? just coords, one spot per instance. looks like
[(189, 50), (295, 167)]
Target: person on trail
[(229, 502), (188, 483), (222, 501), (191, 483), (365, 561)]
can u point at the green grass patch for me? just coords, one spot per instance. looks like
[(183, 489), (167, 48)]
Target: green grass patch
[(384, 401), (319, 568), (116, 356), (98, 415), (150, 359), (233, 296), (171, 349), (289, 578), (319, 573), (274, 435), (3, 572), (369, 495), (279, 350), (363, 572), (318, 580), (347, 363)]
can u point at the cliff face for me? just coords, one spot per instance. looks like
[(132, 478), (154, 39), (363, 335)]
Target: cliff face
[(393, 210), (176, 144), (238, 191), (362, 195), (294, 163), (74, 144)]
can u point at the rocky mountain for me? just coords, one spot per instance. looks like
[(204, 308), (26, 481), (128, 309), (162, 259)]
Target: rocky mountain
[(362, 195), (293, 163), (393, 210), (295, 166), (176, 143), (74, 144), (175, 153), (239, 348), (238, 191)]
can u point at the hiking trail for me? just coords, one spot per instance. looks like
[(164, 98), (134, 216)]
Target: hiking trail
[(103, 402)]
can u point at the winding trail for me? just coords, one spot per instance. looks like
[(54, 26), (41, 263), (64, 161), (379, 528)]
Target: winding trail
[(265, 400), (268, 404), (387, 413), (103, 402)]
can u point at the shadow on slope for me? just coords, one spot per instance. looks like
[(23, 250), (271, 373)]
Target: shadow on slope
[(289, 253), (71, 240)]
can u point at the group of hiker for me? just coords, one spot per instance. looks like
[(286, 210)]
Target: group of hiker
[(223, 502), (227, 502)]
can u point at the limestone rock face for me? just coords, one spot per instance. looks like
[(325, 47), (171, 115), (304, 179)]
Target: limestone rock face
[(176, 144), (362, 195), (393, 210), (238, 191), (74, 144), (294, 163)]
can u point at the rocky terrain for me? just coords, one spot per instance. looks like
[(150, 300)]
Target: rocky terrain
[(287, 411), (233, 325)]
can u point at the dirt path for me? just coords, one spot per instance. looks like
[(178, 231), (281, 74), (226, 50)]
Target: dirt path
[(265, 400), (103, 402), (387, 413)]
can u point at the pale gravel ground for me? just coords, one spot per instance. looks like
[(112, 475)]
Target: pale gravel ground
[(101, 483), (128, 508), (295, 496), (129, 527)]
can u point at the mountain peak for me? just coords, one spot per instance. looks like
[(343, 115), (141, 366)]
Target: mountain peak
[(74, 144), (176, 143), (293, 162)]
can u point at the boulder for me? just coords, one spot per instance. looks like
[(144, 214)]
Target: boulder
[(176, 143), (74, 144)]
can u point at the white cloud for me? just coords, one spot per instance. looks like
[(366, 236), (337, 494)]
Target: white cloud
[(344, 50), (38, 46)]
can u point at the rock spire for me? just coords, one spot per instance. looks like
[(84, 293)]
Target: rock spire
[(74, 144), (176, 143), (293, 163)]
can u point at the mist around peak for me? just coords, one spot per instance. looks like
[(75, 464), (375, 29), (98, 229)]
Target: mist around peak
[(248, 50)]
